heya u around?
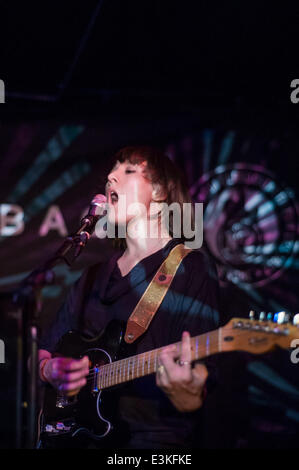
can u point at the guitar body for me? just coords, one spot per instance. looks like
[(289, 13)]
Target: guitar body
[(91, 414)]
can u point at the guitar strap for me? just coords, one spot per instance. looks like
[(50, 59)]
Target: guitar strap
[(154, 294)]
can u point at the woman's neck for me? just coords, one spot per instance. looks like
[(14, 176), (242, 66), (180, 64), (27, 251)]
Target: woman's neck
[(144, 237), (139, 248), (141, 243)]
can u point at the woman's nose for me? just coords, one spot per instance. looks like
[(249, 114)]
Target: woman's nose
[(112, 178)]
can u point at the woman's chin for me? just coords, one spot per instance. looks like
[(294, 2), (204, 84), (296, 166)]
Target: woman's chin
[(117, 221)]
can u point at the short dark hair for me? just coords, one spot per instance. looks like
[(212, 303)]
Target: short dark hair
[(161, 171)]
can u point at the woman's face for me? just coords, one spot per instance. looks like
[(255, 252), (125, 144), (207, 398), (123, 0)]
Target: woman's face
[(128, 192)]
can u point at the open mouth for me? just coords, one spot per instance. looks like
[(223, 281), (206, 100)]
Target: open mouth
[(113, 197)]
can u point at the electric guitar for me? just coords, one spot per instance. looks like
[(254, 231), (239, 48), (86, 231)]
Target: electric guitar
[(91, 414)]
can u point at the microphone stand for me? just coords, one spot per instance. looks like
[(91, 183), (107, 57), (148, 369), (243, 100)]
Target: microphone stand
[(28, 297)]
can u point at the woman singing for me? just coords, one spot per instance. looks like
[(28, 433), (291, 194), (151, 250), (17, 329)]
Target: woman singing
[(162, 410)]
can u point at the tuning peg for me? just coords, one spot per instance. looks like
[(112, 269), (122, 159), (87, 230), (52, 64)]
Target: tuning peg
[(251, 314), (262, 316), (296, 320), (279, 317)]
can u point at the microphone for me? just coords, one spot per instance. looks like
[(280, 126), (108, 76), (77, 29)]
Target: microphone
[(44, 274), (96, 211)]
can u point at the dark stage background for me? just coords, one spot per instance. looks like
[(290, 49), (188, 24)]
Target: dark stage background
[(212, 89)]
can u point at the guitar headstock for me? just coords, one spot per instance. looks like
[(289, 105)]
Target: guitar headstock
[(258, 336)]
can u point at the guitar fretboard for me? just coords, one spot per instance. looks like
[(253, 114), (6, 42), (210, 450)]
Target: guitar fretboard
[(143, 364)]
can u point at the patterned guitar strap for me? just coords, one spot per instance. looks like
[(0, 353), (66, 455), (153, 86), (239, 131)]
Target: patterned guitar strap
[(154, 294)]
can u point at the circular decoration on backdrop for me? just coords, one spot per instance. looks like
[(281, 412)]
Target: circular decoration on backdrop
[(250, 223)]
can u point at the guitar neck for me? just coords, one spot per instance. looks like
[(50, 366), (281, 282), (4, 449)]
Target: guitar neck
[(146, 363)]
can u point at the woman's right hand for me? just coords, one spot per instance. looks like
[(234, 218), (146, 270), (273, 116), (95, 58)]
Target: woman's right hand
[(67, 375)]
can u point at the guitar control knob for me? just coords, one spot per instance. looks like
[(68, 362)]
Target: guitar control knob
[(269, 316), (296, 320)]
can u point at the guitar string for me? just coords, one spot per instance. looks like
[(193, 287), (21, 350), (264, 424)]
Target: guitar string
[(155, 351), (138, 355), (152, 354), (135, 369)]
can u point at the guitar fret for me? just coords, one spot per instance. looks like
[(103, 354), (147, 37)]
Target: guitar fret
[(117, 373), (106, 377), (120, 370), (128, 371), (103, 377), (108, 374), (100, 379), (146, 362), (124, 370), (113, 366), (112, 373), (116, 376)]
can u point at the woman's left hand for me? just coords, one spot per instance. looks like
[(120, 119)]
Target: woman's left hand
[(183, 385)]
